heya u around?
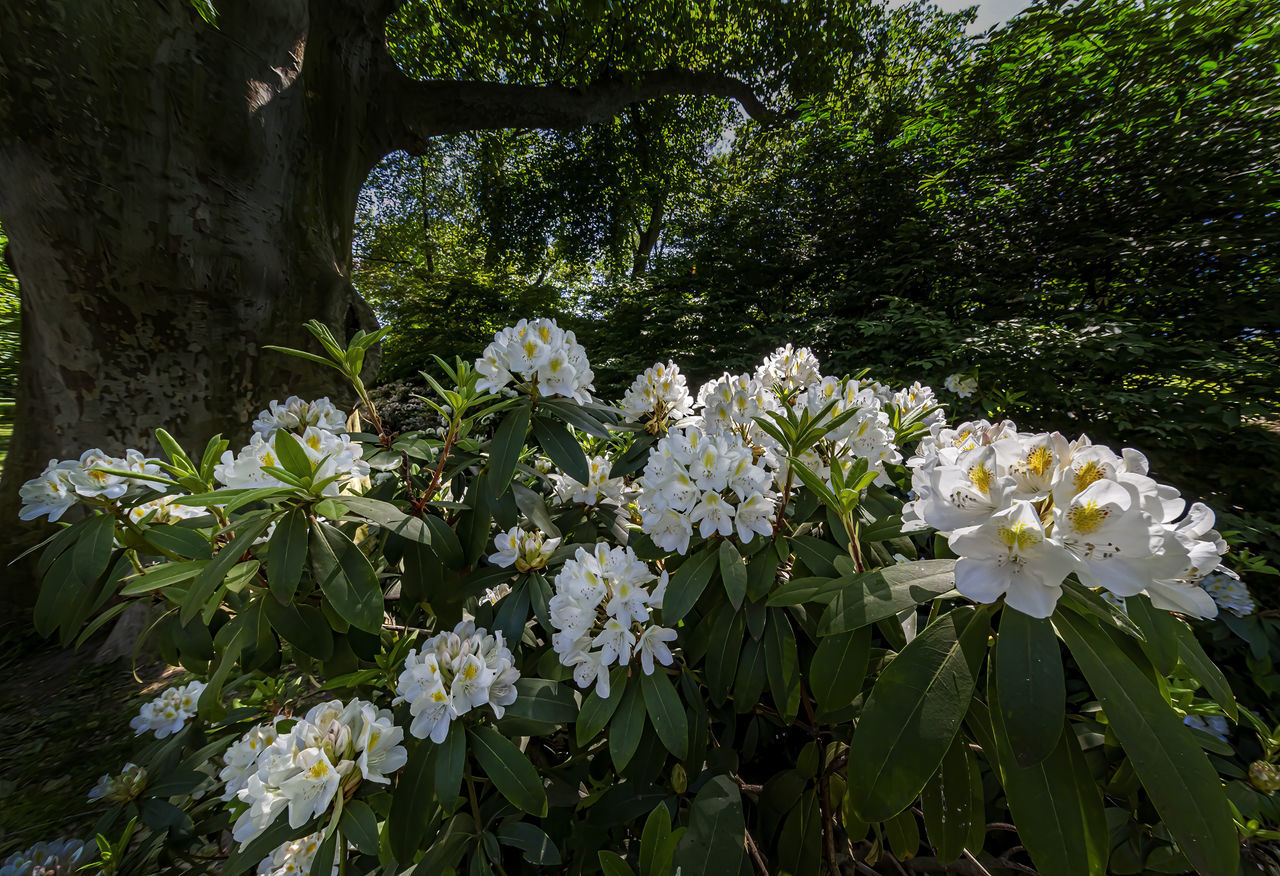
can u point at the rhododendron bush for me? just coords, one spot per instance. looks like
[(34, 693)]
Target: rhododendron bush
[(788, 623)]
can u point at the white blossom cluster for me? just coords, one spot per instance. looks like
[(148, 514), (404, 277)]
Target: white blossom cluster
[(788, 369), (295, 857), (600, 489), (960, 384), (240, 760), (58, 858), (1230, 593), (867, 434), (525, 549), (65, 482), (317, 428), (169, 712), (297, 415), (658, 398), (537, 352), (601, 612), (454, 673), (713, 481), (917, 396), (120, 788), (162, 511), (730, 403), (332, 749), (1024, 511), (1214, 725)]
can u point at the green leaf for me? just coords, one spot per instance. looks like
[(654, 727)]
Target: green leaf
[(531, 505), (733, 571), (883, 593), (1027, 664), (1159, 631), (563, 449), (293, 458), (1057, 807), (174, 451), (302, 626), (1182, 784), (360, 826), (626, 727), (687, 584), (839, 667), (544, 701), (286, 554), (657, 830), (952, 803), (180, 540), (782, 664), (1205, 671), (913, 713), (536, 845), (247, 530), (613, 864), (346, 578), (716, 839), (903, 835), (508, 441), (451, 763), (163, 575), (723, 647), (322, 863), (666, 712), (597, 710), (451, 843), (510, 771)]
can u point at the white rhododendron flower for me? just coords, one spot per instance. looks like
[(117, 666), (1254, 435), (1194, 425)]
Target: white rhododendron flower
[(960, 384), (1214, 725), (693, 478), (169, 712), (240, 760), (537, 352), (335, 457), (1230, 593), (1023, 511), (730, 403), (454, 673), (65, 482), (333, 748), (295, 857), (601, 613), (297, 415), (58, 858), (915, 397), (788, 369), (163, 511), (658, 398), (524, 549), (600, 489), (120, 788)]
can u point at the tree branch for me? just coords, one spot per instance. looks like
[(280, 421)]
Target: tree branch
[(431, 108)]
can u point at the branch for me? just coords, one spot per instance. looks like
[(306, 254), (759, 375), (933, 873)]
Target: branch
[(434, 107)]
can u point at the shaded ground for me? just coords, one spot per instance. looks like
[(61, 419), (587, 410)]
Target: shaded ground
[(64, 721)]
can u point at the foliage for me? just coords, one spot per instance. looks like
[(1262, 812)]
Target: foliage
[(818, 700)]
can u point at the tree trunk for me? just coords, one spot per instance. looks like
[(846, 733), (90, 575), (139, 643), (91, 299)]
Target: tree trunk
[(176, 197)]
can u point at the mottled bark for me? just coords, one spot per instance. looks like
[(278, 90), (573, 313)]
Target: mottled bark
[(178, 195)]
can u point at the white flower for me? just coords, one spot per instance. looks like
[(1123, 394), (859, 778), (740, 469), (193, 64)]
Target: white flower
[(120, 788), (334, 456), (789, 369), (52, 493), (240, 760), (169, 712), (714, 515), (1010, 555), (1214, 725), (600, 609), (454, 673), (381, 753), (658, 398), (652, 645), (295, 857), (526, 550), (1230, 593), (58, 858), (537, 351), (960, 384), (600, 489), (312, 788), (296, 415)]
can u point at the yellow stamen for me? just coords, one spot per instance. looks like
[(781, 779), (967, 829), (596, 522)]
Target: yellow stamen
[(1087, 474), (1039, 461), (1087, 518), (1020, 536), (981, 476)]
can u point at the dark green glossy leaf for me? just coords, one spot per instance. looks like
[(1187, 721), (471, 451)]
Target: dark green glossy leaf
[(874, 596), (952, 803), (839, 667), (510, 771), (287, 554), (346, 578), (1027, 665), (562, 448), (733, 571), (687, 584), (666, 712), (508, 441), (715, 841)]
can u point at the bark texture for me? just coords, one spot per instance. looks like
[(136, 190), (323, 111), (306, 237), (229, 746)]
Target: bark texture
[(178, 195)]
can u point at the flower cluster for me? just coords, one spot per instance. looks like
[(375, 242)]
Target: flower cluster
[(787, 369), (65, 482), (1024, 511), (713, 481), (120, 788), (169, 712), (453, 674), (524, 550), (330, 750), (317, 428), (1230, 593), (601, 611), (163, 510), (961, 384), (295, 857), (867, 434), (658, 398), (538, 352), (240, 760), (730, 403), (57, 858), (600, 489), (297, 415), (916, 397)]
